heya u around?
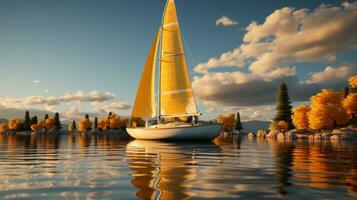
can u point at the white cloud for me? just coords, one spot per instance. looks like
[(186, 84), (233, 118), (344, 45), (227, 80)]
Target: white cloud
[(226, 21), (11, 113), (247, 89), (118, 106), (103, 108), (290, 36), (332, 74), (36, 81), (47, 91), (271, 52), (79, 96)]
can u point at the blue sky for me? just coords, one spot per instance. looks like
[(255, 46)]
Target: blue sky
[(102, 45)]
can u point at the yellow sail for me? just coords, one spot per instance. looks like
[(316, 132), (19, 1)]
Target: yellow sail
[(144, 106), (176, 96)]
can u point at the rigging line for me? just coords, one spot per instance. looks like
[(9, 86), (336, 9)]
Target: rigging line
[(194, 61), (188, 47)]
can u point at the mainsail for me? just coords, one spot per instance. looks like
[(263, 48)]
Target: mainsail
[(144, 106), (176, 96)]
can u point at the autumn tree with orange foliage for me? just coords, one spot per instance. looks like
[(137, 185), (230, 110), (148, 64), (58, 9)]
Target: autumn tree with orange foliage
[(350, 105), (300, 116), (104, 124), (50, 124), (16, 125), (111, 122), (280, 126), (115, 122), (228, 121), (4, 128), (40, 126), (353, 84), (327, 110), (85, 124), (283, 126)]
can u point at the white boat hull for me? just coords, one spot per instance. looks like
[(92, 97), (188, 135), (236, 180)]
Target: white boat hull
[(199, 132)]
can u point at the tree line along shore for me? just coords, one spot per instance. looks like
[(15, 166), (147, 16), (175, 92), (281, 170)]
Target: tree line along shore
[(329, 115), (54, 125)]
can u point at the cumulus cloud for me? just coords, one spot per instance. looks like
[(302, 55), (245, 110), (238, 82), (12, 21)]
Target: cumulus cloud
[(118, 106), (270, 55), (290, 36), (226, 21), (80, 96), (332, 74), (103, 108), (246, 89), (11, 113)]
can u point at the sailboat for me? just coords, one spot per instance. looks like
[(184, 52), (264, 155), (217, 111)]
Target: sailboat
[(175, 98)]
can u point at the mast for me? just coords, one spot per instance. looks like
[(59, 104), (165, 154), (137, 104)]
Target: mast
[(159, 67)]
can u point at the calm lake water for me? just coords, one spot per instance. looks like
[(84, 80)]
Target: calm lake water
[(106, 167)]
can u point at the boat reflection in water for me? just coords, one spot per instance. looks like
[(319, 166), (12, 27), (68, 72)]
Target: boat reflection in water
[(165, 170)]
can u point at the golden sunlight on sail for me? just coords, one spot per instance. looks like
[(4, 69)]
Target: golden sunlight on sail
[(144, 106), (176, 95)]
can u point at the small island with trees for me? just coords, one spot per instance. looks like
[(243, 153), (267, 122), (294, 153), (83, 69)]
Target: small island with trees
[(329, 115)]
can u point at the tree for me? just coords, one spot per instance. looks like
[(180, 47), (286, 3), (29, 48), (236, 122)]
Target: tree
[(115, 122), (104, 124), (27, 121), (46, 116), (350, 105), (279, 126), (16, 125), (273, 127), (110, 115), (283, 107), (72, 127), (326, 110), (50, 124), (34, 120), (228, 122), (39, 126), (239, 125), (353, 84), (283, 126), (345, 91), (85, 124), (300, 116), (57, 121), (95, 123), (4, 128)]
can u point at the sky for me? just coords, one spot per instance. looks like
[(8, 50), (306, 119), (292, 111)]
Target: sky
[(86, 56)]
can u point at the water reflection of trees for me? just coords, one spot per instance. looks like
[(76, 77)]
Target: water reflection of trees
[(31, 141), (320, 164)]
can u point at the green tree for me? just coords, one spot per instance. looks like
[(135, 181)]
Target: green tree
[(27, 121), (345, 92), (46, 116), (283, 107), (57, 121), (34, 120), (95, 123), (239, 126)]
